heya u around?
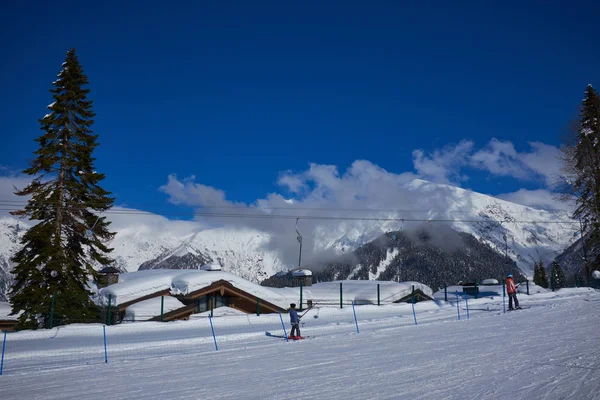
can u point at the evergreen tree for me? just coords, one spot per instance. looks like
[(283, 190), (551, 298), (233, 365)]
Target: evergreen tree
[(581, 161), (557, 276), (543, 277), (57, 253), (539, 274)]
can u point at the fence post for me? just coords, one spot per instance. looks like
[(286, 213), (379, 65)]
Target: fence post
[(341, 304), (52, 312), (412, 299), (105, 351), (503, 298), (3, 349), (467, 303), (378, 296), (213, 333), (457, 305), (300, 309), (283, 326), (258, 306), (355, 320), (109, 305), (446, 293), (527, 287), (162, 308), (476, 289)]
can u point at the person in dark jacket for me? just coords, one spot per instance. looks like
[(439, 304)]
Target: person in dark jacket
[(295, 321), (511, 289)]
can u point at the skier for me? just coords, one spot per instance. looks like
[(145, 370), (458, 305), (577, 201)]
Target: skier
[(511, 289), (295, 321)]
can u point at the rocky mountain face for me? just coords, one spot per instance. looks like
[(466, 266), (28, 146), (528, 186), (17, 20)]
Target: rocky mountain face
[(240, 252), (154, 242), (436, 256), (11, 232)]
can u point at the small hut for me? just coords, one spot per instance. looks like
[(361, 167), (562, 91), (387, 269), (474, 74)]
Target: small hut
[(301, 277), (108, 276)]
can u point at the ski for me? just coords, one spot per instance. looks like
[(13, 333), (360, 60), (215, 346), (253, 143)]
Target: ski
[(269, 334)]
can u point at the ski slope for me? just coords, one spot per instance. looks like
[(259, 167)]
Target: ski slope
[(549, 350)]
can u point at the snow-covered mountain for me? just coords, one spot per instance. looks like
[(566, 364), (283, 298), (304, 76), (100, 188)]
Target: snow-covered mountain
[(530, 233), (140, 243)]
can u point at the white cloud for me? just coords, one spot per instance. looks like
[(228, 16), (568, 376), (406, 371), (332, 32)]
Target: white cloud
[(361, 190), (443, 165), (502, 159), (188, 192), (540, 199)]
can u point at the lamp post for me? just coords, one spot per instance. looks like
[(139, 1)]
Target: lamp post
[(299, 238)]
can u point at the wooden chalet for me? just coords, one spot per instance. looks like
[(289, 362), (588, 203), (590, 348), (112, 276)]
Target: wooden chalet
[(419, 295), (220, 293), (7, 325)]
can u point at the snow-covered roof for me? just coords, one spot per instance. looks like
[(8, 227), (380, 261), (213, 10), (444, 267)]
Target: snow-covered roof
[(301, 273), (135, 285), (138, 284), (361, 291), (489, 282), (192, 280)]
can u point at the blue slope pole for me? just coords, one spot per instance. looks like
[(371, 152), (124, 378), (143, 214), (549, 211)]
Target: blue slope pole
[(467, 303), (412, 299), (355, 320), (3, 349), (105, 351), (503, 300), (457, 305), (283, 326), (213, 333)]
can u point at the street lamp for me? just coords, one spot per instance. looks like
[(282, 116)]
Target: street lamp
[(299, 238)]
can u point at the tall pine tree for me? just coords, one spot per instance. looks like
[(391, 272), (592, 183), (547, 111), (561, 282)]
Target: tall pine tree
[(58, 252), (539, 274), (581, 161), (557, 276)]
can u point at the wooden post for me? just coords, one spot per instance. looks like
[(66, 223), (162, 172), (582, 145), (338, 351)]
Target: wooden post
[(109, 305), (162, 308)]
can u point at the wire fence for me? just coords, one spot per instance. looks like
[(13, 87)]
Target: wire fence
[(223, 329)]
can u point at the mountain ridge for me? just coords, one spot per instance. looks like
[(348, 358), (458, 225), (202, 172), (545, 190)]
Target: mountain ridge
[(247, 251)]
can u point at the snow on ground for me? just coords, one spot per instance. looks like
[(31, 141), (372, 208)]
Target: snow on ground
[(548, 350)]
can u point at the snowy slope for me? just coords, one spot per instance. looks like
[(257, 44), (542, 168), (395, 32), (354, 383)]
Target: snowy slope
[(491, 355), (155, 242)]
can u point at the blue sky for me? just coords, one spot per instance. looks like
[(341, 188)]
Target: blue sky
[(232, 101)]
